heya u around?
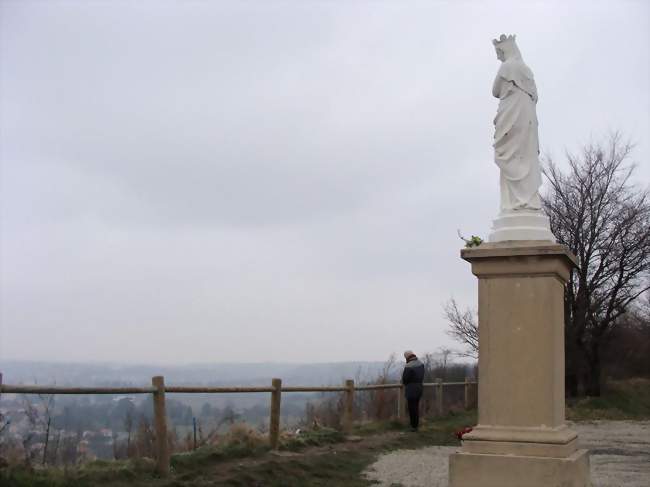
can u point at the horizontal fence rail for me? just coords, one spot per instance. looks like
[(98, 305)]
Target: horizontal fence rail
[(313, 389), (29, 389), (158, 389), (21, 389), (215, 390)]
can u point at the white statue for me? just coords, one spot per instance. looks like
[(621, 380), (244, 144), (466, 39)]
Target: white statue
[(516, 148)]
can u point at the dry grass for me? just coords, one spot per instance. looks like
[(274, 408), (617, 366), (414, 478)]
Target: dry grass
[(624, 399), (243, 436)]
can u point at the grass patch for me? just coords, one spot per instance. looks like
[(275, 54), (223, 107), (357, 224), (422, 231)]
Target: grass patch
[(319, 437), (438, 431), (240, 442), (325, 470), (377, 427), (621, 400), (114, 473), (210, 454)]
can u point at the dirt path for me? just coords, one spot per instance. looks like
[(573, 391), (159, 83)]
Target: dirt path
[(619, 456)]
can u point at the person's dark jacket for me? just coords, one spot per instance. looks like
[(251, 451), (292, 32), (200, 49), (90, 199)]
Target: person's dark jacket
[(412, 378)]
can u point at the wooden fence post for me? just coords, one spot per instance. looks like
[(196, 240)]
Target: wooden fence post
[(348, 406), (274, 422), (400, 403), (467, 384), (439, 396), (160, 426)]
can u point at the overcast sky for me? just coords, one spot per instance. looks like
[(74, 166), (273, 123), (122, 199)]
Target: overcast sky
[(273, 180)]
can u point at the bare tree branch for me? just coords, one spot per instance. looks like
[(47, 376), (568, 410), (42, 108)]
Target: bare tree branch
[(463, 327)]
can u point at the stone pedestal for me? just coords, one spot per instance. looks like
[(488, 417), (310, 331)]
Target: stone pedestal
[(521, 439)]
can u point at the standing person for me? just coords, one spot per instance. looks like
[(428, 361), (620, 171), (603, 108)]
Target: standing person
[(412, 378)]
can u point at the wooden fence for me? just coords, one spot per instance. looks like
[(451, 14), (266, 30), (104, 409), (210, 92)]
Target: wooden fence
[(159, 389)]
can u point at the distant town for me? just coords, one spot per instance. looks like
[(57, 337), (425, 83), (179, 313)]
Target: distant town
[(68, 429)]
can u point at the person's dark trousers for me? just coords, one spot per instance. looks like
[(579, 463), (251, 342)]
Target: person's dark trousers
[(414, 412)]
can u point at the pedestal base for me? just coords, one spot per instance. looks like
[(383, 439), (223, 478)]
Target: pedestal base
[(521, 225), (560, 442), (479, 470)]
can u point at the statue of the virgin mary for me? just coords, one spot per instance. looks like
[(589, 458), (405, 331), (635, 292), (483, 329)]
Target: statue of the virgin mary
[(516, 148)]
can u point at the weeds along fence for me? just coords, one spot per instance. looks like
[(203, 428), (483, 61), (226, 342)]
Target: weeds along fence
[(158, 389)]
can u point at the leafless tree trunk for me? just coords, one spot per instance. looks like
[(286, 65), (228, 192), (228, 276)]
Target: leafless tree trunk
[(57, 443), (33, 420), (380, 402), (47, 439), (69, 450), (144, 438), (128, 427), (605, 220), (4, 423), (48, 410)]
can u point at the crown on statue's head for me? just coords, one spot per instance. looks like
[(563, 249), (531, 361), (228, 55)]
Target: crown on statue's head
[(504, 39)]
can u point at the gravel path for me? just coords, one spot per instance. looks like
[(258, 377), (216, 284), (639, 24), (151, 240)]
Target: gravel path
[(619, 456), (619, 452)]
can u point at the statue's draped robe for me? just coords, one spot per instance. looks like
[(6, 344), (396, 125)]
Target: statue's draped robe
[(516, 142)]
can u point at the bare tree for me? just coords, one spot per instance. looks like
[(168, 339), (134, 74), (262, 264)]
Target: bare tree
[(4, 424), (445, 353), (144, 438), (69, 450), (463, 327), (57, 444), (626, 354), (48, 402), (380, 404), (33, 420), (128, 427), (228, 416), (605, 220)]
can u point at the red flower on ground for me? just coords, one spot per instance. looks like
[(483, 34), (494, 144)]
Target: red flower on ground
[(465, 430)]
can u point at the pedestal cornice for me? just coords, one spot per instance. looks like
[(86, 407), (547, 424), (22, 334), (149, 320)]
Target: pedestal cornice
[(521, 258), (518, 248)]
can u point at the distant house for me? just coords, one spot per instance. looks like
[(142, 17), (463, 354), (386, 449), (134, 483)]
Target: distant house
[(97, 444), (84, 452), (106, 433), (124, 398)]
